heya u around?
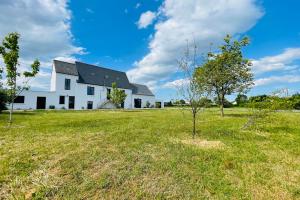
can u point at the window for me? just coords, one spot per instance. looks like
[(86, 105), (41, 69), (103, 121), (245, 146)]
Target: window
[(108, 91), (61, 99), (67, 84), (19, 99), (90, 90), (89, 105)]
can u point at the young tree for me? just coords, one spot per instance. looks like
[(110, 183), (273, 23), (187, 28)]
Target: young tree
[(117, 96), (189, 88), (10, 53), (226, 72)]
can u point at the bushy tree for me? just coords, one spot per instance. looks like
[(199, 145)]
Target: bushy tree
[(296, 101), (180, 102), (205, 102), (10, 53), (259, 98), (117, 96), (148, 104), (226, 103), (241, 99), (226, 71)]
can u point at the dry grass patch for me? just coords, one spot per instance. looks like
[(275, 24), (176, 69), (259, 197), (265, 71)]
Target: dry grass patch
[(200, 143)]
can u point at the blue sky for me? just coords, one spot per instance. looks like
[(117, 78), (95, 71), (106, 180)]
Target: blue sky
[(144, 38)]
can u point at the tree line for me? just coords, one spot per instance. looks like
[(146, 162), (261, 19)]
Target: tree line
[(242, 100)]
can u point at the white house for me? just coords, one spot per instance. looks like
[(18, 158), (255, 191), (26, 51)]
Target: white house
[(83, 86)]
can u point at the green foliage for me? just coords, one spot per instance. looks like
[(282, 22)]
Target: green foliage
[(227, 71), (262, 106), (259, 98), (158, 104), (168, 104), (117, 96), (226, 103), (206, 102), (295, 101), (35, 66), (241, 99), (3, 99), (180, 102), (274, 102), (148, 104), (10, 53), (51, 107)]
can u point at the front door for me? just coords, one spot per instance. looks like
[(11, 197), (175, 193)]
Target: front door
[(137, 103), (89, 105), (41, 103), (71, 102)]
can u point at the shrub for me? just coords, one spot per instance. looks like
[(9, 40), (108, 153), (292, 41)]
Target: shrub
[(157, 104), (273, 102), (168, 104), (227, 104), (148, 104), (241, 99), (51, 107), (205, 102)]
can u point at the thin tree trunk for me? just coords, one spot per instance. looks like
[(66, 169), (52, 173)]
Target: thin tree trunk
[(12, 101), (222, 105), (222, 109), (194, 125), (11, 112)]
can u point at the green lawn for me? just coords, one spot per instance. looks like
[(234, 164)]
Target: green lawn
[(140, 155)]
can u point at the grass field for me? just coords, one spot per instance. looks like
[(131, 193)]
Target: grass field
[(148, 154)]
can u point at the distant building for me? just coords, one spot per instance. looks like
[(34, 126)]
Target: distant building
[(83, 86)]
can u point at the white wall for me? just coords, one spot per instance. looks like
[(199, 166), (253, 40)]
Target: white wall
[(53, 79), (78, 90), (99, 97), (30, 100)]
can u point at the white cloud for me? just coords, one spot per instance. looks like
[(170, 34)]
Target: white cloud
[(67, 59), (45, 31), (146, 19), (176, 83), (205, 20), (278, 79), (283, 61)]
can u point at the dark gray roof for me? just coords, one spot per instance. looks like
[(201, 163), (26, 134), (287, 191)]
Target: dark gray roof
[(65, 68), (141, 89), (94, 75)]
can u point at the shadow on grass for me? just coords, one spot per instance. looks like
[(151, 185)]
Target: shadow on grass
[(280, 129), (19, 113), (238, 115)]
